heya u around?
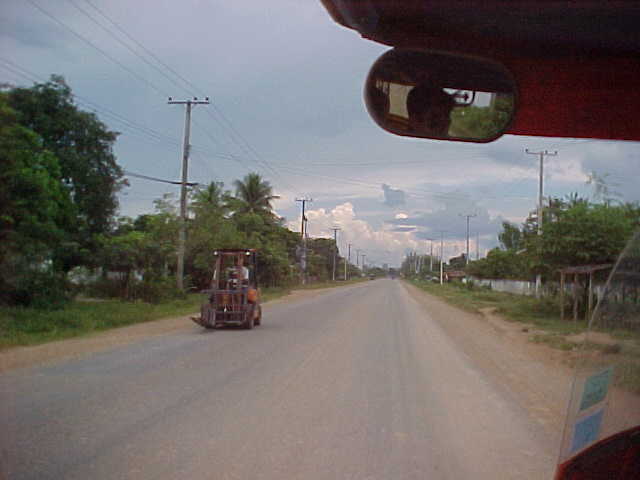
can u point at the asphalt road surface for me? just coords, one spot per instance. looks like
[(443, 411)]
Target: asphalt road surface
[(360, 382)]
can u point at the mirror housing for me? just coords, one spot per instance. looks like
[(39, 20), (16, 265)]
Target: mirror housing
[(440, 96)]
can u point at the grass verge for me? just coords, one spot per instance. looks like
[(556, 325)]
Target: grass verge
[(30, 326), (542, 314)]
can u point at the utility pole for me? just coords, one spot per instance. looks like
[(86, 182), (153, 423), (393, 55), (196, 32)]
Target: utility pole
[(442, 232), (182, 235), (468, 217), (303, 238), (357, 258), (335, 250), (478, 245), (347, 262), (541, 154), (363, 255), (430, 255)]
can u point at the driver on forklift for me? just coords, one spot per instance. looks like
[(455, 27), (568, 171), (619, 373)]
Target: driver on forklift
[(238, 274)]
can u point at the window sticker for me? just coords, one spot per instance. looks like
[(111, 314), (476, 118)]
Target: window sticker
[(587, 430), (595, 388)]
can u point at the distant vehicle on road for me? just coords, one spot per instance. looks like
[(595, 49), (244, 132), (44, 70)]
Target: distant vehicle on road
[(234, 296)]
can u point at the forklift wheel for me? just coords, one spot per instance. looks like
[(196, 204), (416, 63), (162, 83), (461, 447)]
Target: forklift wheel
[(249, 322)]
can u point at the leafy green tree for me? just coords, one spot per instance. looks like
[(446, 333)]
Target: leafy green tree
[(511, 237), (586, 234), (83, 146), (500, 264), (35, 207)]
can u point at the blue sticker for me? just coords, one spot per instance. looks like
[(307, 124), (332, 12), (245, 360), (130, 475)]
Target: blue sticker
[(587, 430), (595, 388)]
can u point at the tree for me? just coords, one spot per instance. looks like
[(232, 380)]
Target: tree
[(587, 234), (35, 207), (83, 146), (511, 237), (212, 198), (254, 195)]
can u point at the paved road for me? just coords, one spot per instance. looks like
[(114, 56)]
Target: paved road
[(353, 383)]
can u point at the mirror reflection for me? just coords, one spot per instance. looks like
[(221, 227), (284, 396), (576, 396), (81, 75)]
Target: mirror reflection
[(435, 95)]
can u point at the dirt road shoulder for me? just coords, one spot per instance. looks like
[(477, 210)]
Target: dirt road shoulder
[(46, 353), (530, 373)]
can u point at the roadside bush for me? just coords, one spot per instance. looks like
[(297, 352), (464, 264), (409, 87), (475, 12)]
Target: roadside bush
[(156, 290), (38, 289), (104, 288)]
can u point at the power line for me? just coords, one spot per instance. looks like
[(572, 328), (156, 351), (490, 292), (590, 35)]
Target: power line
[(149, 132), (229, 126), (146, 50), (121, 42), (155, 179), (95, 47)]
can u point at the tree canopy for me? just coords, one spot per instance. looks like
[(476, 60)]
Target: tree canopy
[(83, 147)]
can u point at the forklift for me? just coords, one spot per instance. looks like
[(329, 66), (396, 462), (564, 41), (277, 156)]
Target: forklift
[(233, 296)]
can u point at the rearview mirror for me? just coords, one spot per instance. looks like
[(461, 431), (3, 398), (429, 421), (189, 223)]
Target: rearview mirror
[(440, 96)]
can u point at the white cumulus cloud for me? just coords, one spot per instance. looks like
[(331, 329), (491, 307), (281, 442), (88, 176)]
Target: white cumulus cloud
[(380, 245)]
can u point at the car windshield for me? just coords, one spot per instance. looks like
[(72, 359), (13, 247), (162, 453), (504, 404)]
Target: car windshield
[(417, 308)]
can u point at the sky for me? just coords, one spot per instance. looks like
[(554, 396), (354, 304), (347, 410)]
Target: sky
[(285, 84)]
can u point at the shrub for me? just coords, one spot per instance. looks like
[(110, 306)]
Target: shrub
[(43, 289), (156, 290)]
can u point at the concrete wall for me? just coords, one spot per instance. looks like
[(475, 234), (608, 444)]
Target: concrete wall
[(519, 287)]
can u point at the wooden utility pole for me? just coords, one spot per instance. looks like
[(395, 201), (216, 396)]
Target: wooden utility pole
[(182, 235), (442, 232), (303, 239), (346, 263), (335, 250)]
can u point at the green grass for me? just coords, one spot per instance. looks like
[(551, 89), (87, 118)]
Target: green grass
[(30, 326), (542, 314)]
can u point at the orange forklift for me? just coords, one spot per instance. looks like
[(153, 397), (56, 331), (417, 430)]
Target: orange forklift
[(234, 296)]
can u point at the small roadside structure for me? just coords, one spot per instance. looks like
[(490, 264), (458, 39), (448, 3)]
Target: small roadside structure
[(577, 272), (454, 276)]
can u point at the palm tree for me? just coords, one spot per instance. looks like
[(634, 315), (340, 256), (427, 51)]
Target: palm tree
[(213, 197), (254, 195)]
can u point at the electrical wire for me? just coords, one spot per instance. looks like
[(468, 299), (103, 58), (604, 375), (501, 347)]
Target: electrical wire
[(155, 179), (236, 137), (95, 47)]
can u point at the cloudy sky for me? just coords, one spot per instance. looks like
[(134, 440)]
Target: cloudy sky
[(285, 83)]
